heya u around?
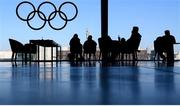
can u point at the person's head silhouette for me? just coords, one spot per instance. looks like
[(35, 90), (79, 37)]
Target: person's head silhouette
[(90, 37), (123, 40), (135, 29), (75, 36), (167, 32)]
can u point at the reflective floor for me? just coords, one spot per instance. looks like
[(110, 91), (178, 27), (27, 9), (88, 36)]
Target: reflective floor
[(89, 83)]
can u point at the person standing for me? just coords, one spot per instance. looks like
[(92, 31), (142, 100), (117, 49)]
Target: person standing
[(168, 42)]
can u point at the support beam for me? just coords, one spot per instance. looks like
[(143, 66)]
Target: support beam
[(104, 18), (104, 29)]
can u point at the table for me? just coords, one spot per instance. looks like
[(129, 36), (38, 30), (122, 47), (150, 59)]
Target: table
[(46, 43)]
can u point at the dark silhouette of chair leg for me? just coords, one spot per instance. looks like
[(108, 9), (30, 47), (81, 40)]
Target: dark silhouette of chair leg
[(15, 57), (22, 54), (94, 55), (12, 57), (30, 58), (100, 54), (25, 58)]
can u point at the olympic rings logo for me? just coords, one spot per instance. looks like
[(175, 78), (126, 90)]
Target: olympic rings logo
[(45, 18)]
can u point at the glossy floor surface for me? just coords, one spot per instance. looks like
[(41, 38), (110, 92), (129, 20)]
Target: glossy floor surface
[(89, 83)]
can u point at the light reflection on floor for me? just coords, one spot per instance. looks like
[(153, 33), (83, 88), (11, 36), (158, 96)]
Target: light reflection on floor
[(87, 83)]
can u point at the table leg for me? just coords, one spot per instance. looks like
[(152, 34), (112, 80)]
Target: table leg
[(30, 57), (44, 54), (25, 57), (51, 54), (56, 54), (38, 52), (60, 53)]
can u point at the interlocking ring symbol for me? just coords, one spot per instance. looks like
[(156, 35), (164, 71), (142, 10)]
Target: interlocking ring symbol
[(45, 18)]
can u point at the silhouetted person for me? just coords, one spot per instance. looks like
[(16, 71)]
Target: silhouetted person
[(168, 41), (159, 48), (105, 43), (75, 48), (134, 41), (90, 46)]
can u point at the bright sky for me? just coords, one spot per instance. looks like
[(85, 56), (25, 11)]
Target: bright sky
[(152, 17)]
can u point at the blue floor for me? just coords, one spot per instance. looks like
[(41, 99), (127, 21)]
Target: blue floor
[(62, 83)]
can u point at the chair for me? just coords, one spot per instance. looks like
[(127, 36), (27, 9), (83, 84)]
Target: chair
[(29, 49), (76, 52), (105, 46), (132, 48), (115, 50), (156, 50), (18, 47), (89, 49), (159, 49)]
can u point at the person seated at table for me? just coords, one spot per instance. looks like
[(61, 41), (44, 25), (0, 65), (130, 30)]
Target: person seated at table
[(90, 47), (134, 41), (168, 42), (75, 48)]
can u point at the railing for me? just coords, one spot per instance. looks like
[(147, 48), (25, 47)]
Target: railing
[(142, 55)]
